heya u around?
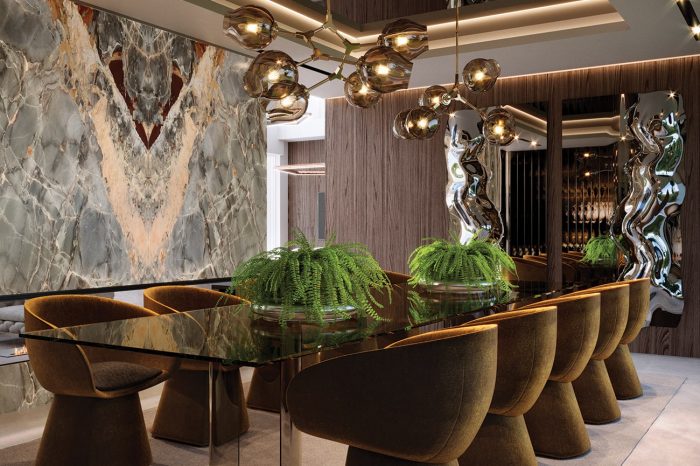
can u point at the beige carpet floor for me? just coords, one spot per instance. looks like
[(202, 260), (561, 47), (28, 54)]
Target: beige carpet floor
[(612, 443)]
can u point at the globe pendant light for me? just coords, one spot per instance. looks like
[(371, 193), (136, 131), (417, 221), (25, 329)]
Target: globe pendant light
[(406, 37), (358, 94), (273, 75), (479, 75), (251, 26), (290, 107), (384, 69)]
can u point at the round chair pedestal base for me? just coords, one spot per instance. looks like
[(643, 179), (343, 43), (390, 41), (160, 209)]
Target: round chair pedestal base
[(555, 423), (500, 440), (183, 410), (94, 432), (359, 457), (623, 374), (595, 394)]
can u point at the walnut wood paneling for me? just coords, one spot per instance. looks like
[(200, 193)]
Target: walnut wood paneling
[(390, 193), (554, 191), (303, 190)]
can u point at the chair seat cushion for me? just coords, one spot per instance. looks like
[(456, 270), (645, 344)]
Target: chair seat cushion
[(116, 375)]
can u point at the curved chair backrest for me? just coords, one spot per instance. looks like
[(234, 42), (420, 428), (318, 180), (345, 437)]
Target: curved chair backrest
[(578, 323), (445, 379), (614, 309), (394, 306), (529, 270), (568, 270), (64, 368), (640, 295), (171, 299), (526, 346)]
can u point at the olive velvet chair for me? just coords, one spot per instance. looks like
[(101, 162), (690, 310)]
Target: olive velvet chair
[(529, 270), (403, 419), (526, 344), (620, 366), (95, 417), (183, 410), (264, 391), (594, 391), (554, 422)]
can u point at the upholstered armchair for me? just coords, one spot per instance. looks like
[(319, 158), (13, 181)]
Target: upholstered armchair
[(554, 422), (95, 417), (418, 401), (594, 391), (623, 374), (183, 410), (529, 270), (526, 346)]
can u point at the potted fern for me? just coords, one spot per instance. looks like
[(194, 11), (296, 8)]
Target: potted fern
[(306, 283), (601, 251), (449, 266)]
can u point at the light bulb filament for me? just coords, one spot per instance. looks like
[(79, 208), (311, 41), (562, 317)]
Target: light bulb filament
[(401, 41), (423, 123), (479, 75), (253, 28), (381, 70), (273, 76)]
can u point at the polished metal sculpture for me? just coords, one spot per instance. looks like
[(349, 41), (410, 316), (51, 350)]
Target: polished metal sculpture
[(466, 196), (649, 212)]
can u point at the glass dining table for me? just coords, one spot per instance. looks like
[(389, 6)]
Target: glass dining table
[(244, 335)]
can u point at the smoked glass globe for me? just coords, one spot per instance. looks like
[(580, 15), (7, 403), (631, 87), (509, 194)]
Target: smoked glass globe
[(273, 75), (408, 38), (435, 97), (399, 128), (499, 126), (251, 26), (358, 94), (422, 122), (384, 69), (480, 74), (290, 107)]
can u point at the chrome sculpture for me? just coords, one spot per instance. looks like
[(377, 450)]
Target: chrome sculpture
[(466, 197), (649, 212)]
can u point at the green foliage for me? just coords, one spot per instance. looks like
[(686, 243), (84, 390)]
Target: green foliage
[(473, 263), (601, 250), (300, 275)]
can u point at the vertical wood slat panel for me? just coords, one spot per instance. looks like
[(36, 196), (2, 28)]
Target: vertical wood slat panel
[(410, 195), (554, 191), (303, 190)]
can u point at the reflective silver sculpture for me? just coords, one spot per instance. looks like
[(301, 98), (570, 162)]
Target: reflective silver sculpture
[(649, 212), (466, 196)]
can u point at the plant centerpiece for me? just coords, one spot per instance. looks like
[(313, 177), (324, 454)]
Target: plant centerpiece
[(601, 251), (301, 282), (448, 265)]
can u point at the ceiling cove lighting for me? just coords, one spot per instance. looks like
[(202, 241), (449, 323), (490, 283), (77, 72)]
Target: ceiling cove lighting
[(479, 75), (690, 17), (273, 76)]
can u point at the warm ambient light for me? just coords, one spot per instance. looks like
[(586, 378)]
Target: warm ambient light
[(695, 29), (273, 76), (479, 76), (382, 70), (252, 28), (363, 90), (533, 143), (401, 41), (288, 101), (498, 129), (587, 174), (423, 123), (587, 154)]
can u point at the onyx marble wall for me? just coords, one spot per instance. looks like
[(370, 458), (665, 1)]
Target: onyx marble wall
[(20, 389), (127, 154)]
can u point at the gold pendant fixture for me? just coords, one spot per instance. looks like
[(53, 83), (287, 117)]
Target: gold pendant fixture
[(273, 75), (479, 75)]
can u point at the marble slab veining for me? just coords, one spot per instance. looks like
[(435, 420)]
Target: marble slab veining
[(128, 154)]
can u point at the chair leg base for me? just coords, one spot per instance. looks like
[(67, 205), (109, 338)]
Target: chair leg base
[(555, 423), (359, 457), (623, 374), (183, 410), (595, 394), (94, 432), (500, 440)]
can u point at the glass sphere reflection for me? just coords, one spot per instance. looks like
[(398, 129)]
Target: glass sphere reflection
[(435, 97), (422, 122), (499, 126), (384, 69), (358, 94), (399, 128), (480, 74), (251, 26), (273, 75), (289, 108), (408, 38)]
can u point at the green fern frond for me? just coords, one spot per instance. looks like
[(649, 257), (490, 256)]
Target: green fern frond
[(601, 251)]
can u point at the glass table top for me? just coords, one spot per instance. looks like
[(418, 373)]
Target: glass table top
[(241, 335)]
